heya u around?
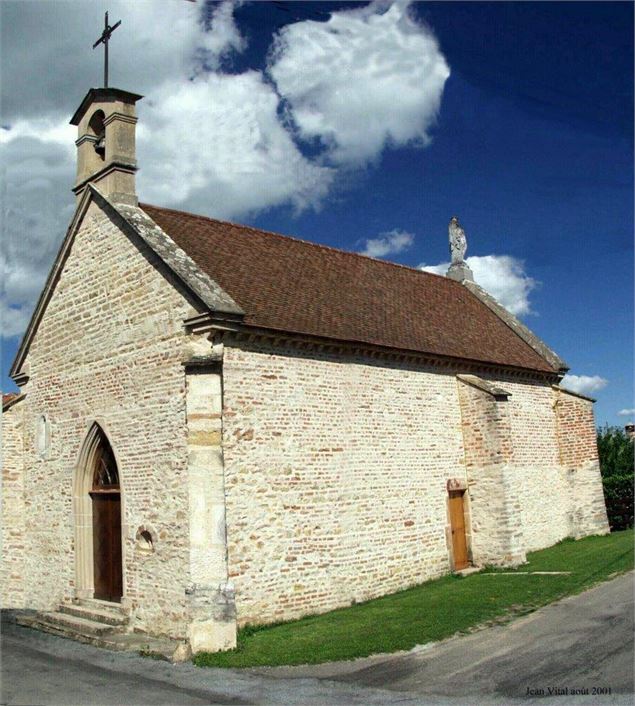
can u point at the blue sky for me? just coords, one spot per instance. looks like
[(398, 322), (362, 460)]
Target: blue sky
[(528, 140)]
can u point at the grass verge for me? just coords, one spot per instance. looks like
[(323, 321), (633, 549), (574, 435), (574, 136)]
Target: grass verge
[(431, 611)]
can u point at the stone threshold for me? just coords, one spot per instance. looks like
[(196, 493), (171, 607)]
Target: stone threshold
[(105, 636), (467, 571)]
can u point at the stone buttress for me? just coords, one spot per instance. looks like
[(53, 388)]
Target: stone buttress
[(497, 536), (211, 596)]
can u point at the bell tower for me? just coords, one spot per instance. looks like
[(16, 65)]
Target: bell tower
[(106, 122)]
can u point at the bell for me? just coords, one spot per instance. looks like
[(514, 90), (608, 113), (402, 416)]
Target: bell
[(100, 146)]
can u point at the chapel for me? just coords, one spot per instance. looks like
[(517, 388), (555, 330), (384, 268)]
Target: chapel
[(219, 426)]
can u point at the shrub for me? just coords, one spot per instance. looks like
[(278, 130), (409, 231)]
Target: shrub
[(618, 494), (615, 449)]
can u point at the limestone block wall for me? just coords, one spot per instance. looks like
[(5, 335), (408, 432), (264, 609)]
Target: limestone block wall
[(542, 482), (497, 530), (577, 445), (576, 433), (212, 605), (13, 509), (108, 349), (335, 477)]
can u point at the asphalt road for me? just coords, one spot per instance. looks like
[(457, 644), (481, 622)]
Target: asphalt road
[(580, 643)]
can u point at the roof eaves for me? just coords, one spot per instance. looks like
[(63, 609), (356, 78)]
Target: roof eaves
[(321, 339)]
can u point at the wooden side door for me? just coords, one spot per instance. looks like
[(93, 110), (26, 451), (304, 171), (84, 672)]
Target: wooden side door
[(457, 524), (107, 545)]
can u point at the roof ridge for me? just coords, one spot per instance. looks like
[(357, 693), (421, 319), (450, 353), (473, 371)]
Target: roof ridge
[(330, 248)]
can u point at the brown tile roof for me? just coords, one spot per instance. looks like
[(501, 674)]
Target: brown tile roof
[(291, 285)]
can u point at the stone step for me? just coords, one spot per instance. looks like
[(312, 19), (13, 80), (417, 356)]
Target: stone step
[(145, 645), (95, 614), (97, 604), (70, 625)]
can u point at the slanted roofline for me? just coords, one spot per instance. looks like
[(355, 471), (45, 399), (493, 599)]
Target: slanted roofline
[(293, 238), (136, 223), (284, 284), (559, 388), (250, 279), (518, 327), (11, 398)]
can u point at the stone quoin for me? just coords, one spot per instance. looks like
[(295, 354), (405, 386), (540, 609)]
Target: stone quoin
[(219, 426)]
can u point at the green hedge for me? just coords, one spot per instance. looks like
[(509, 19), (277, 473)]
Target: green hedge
[(615, 449), (618, 493)]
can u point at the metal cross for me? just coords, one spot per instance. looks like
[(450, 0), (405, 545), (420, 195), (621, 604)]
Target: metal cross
[(105, 36)]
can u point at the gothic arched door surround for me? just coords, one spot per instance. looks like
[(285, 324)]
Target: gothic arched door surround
[(97, 500)]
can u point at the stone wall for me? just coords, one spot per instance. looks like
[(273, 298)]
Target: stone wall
[(576, 432), (13, 509), (496, 524), (108, 349), (212, 604), (577, 445), (335, 474), (336, 471), (544, 496), (333, 468)]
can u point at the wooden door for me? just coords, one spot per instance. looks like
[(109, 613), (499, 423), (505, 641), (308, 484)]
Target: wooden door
[(107, 545), (457, 524), (106, 502)]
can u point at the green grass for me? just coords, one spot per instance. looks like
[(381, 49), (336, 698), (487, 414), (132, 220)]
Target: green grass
[(431, 611)]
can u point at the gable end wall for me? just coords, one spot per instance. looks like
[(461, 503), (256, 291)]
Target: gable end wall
[(108, 349)]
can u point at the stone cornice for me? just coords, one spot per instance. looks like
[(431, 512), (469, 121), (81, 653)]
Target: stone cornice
[(116, 163), (242, 334), (102, 94), (121, 117), (86, 138)]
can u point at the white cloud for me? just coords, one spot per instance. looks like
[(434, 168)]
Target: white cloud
[(390, 243), (13, 320), (583, 384), (223, 37), (365, 78), (209, 140), (627, 412), (231, 156), (503, 276), (37, 206), (50, 44)]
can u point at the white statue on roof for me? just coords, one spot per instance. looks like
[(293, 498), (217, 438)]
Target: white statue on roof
[(458, 242), (459, 269)]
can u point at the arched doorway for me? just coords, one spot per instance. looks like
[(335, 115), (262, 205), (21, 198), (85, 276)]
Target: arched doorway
[(106, 501), (97, 500)]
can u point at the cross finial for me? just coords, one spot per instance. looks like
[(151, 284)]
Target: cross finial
[(105, 36)]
